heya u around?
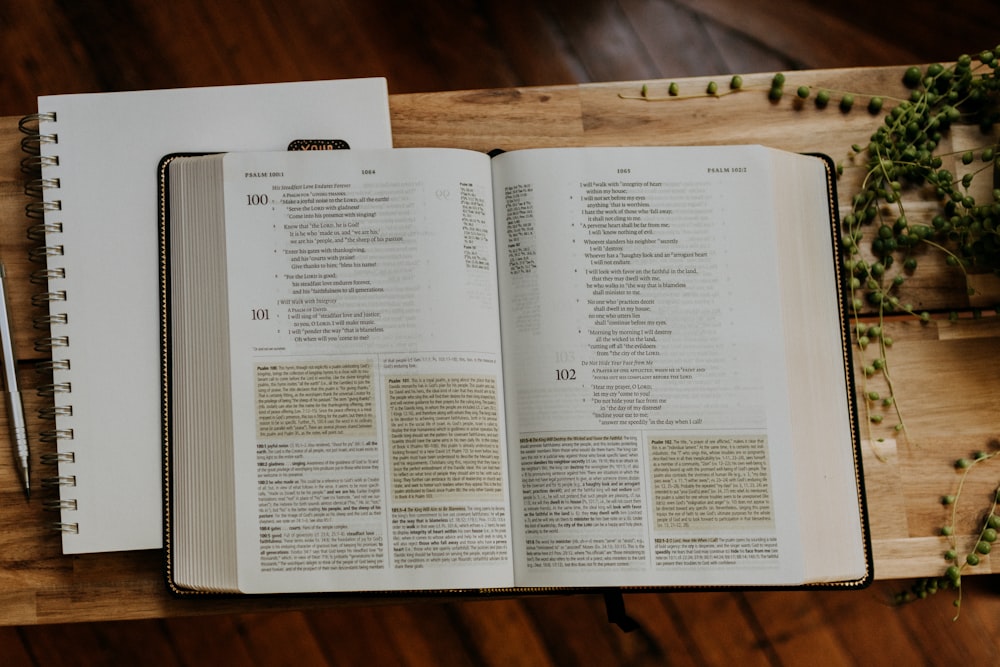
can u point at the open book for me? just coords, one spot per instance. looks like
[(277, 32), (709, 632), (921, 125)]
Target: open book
[(424, 369)]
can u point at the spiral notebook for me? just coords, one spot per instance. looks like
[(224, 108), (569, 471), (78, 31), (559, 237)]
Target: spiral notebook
[(96, 224)]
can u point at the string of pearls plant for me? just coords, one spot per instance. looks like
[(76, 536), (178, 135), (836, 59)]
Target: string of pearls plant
[(882, 247)]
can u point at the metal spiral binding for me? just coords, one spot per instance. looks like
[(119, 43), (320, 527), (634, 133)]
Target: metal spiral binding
[(57, 505), (42, 231), (38, 232), (46, 321), (43, 298), (37, 187), (55, 435), (40, 253), (36, 210), (55, 458), (60, 480), (61, 504), (51, 412), (33, 164), (63, 527), (55, 388), (50, 365)]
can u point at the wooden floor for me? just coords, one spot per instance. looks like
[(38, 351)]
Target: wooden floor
[(62, 46)]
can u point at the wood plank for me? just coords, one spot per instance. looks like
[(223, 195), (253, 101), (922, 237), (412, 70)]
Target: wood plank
[(533, 43), (935, 633), (373, 640), (681, 41), (500, 633), (575, 630), (706, 617), (744, 53), (796, 628), (486, 119), (867, 627), (981, 602), (916, 25), (281, 640), (110, 643), (662, 618), (47, 56), (862, 627), (421, 633), (212, 640), (459, 48), (15, 653), (603, 39), (796, 30), (72, 47)]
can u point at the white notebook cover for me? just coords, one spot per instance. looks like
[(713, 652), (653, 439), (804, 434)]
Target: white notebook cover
[(108, 147)]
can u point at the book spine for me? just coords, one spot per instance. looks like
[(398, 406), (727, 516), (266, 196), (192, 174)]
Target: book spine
[(43, 213)]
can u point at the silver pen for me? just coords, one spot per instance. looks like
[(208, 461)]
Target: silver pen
[(15, 409)]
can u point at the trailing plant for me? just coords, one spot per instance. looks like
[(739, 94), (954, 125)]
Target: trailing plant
[(903, 157), (956, 562), (905, 160)]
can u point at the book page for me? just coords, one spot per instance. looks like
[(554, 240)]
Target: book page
[(647, 394), (366, 372)]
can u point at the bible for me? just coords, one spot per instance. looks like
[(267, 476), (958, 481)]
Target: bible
[(574, 368)]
